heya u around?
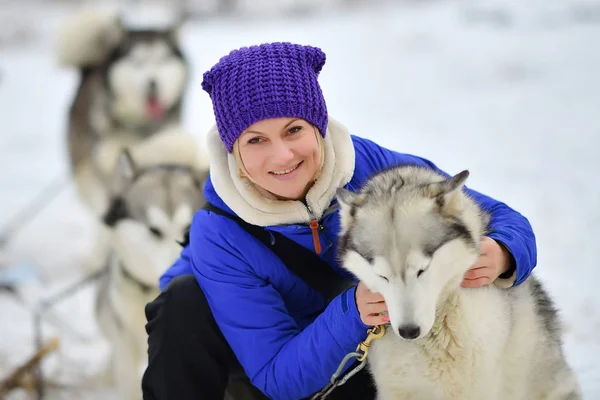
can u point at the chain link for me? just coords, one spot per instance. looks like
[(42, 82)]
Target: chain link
[(362, 350)]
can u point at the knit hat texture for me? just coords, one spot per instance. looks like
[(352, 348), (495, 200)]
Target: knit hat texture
[(270, 80)]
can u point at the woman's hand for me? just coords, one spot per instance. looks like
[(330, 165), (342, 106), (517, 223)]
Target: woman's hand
[(371, 306), (493, 261)]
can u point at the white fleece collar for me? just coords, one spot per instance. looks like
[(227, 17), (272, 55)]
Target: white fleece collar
[(243, 198)]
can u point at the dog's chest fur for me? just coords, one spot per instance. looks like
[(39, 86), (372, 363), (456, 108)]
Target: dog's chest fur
[(457, 360)]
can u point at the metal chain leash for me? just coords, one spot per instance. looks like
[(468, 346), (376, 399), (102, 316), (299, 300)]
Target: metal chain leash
[(360, 354)]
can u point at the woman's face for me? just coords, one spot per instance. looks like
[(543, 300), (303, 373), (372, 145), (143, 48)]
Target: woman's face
[(281, 155)]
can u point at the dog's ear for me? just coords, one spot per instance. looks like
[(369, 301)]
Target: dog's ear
[(174, 32), (124, 173), (349, 198), (123, 176), (119, 21), (126, 166), (117, 211), (114, 37), (349, 202), (447, 192), (200, 177)]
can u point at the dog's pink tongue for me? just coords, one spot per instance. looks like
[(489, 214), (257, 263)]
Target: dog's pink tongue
[(155, 109)]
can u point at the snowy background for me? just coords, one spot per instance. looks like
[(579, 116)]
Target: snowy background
[(504, 88)]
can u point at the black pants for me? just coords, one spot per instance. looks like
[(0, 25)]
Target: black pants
[(188, 357)]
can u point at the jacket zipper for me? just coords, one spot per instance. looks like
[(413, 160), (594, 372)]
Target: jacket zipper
[(314, 227)]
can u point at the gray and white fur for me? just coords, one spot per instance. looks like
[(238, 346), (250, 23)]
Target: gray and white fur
[(151, 208), (411, 234), (131, 85)]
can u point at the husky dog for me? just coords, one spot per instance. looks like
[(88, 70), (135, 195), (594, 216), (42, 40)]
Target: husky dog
[(131, 86), (411, 234), (152, 204)]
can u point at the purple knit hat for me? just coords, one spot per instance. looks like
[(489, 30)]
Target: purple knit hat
[(266, 81)]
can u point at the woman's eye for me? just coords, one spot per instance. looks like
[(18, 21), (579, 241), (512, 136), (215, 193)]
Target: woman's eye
[(295, 129), (254, 140)]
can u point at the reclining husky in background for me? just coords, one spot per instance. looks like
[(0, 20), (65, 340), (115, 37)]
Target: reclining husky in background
[(131, 86), (155, 191), (411, 235)]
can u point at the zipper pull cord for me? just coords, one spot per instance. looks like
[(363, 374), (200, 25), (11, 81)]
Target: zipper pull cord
[(314, 227)]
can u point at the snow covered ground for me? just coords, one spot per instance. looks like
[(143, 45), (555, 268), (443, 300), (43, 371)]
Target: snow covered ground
[(503, 88)]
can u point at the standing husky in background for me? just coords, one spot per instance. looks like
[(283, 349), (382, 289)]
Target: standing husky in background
[(411, 235), (155, 192), (131, 86)]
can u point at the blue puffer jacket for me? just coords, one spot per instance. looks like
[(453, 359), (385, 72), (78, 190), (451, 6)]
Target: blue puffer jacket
[(287, 338)]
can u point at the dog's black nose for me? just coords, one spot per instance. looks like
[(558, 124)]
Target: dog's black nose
[(409, 331)]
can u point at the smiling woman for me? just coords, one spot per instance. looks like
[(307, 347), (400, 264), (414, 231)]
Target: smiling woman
[(230, 305), (281, 155)]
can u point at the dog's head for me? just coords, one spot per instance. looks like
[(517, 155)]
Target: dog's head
[(410, 235), (150, 214), (146, 77)]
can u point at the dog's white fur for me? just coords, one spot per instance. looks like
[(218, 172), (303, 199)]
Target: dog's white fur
[(111, 106), (121, 300), (488, 343)]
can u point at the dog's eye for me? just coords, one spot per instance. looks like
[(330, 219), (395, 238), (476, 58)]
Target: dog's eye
[(384, 278), (420, 272), (157, 233)]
